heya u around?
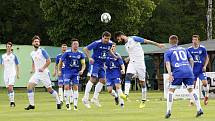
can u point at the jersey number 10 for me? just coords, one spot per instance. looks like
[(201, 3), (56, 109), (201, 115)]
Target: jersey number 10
[(180, 55)]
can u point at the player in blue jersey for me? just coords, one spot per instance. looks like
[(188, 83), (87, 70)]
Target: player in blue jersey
[(73, 60), (114, 69), (101, 49), (201, 59), (60, 78), (179, 65)]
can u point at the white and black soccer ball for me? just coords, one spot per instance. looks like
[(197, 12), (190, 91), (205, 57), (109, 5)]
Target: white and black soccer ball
[(105, 17)]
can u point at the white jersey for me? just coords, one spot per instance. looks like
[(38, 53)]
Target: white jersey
[(9, 62), (134, 49), (39, 58)]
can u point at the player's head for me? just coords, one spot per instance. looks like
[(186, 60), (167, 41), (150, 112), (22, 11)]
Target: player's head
[(74, 44), (36, 41), (119, 36), (9, 46), (173, 40), (63, 48), (106, 37), (113, 48), (196, 39)]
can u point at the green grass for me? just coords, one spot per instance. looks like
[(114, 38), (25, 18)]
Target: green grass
[(154, 110)]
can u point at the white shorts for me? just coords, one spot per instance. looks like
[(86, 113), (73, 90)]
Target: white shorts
[(137, 68), (9, 79), (44, 77)]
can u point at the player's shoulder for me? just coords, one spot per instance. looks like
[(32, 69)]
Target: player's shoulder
[(202, 46), (190, 48), (3, 55)]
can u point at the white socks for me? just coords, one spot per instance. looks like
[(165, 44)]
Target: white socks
[(206, 89), (87, 90), (60, 92), (195, 98), (169, 101), (11, 96), (98, 89), (144, 89), (113, 93), (55, 95), (75, 97), (127, 88), (31, 97), (67, 96)]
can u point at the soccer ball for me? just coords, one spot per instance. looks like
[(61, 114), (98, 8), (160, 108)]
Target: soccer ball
[(105, 17)]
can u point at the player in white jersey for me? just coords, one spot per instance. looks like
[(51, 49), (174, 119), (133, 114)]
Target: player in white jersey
[(11, 71), (40, 72), (136, 64)]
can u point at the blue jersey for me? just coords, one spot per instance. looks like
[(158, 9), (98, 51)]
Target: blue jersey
[(199, 54), (113, 66), (100, 50), (72, 61), (179, 60), (58, 58)]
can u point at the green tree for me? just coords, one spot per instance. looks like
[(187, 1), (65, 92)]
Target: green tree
[(181, 17), (20, 20), (81, 18)]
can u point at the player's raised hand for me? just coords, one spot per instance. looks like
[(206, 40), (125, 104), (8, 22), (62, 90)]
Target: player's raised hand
[(91, 60)]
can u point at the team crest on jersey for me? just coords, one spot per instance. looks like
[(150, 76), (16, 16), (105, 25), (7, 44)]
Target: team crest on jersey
[(79, 56), (200, 51)]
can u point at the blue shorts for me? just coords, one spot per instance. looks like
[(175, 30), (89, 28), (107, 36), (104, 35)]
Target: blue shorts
[(97, 71), (71, 79), (60, 80), (188, 82), (201, 76), (113, 81)]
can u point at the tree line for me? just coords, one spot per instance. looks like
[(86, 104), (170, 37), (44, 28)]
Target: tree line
[(57, 21)]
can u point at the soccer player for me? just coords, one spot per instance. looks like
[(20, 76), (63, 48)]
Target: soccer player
[(101, 49), (136, 64), (72, 60), (201, 59), (40, 63), (60, 78), (114, 69), (11, 71), (179, 65)]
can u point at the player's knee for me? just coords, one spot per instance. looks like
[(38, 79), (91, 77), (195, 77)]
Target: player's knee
[(75, 87), (204, 83), (109, 89), (128, 77), (50, 90), (66, 87), (102, 80)]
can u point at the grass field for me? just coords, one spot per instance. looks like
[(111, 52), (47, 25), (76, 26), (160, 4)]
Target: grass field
[(154, 110)]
